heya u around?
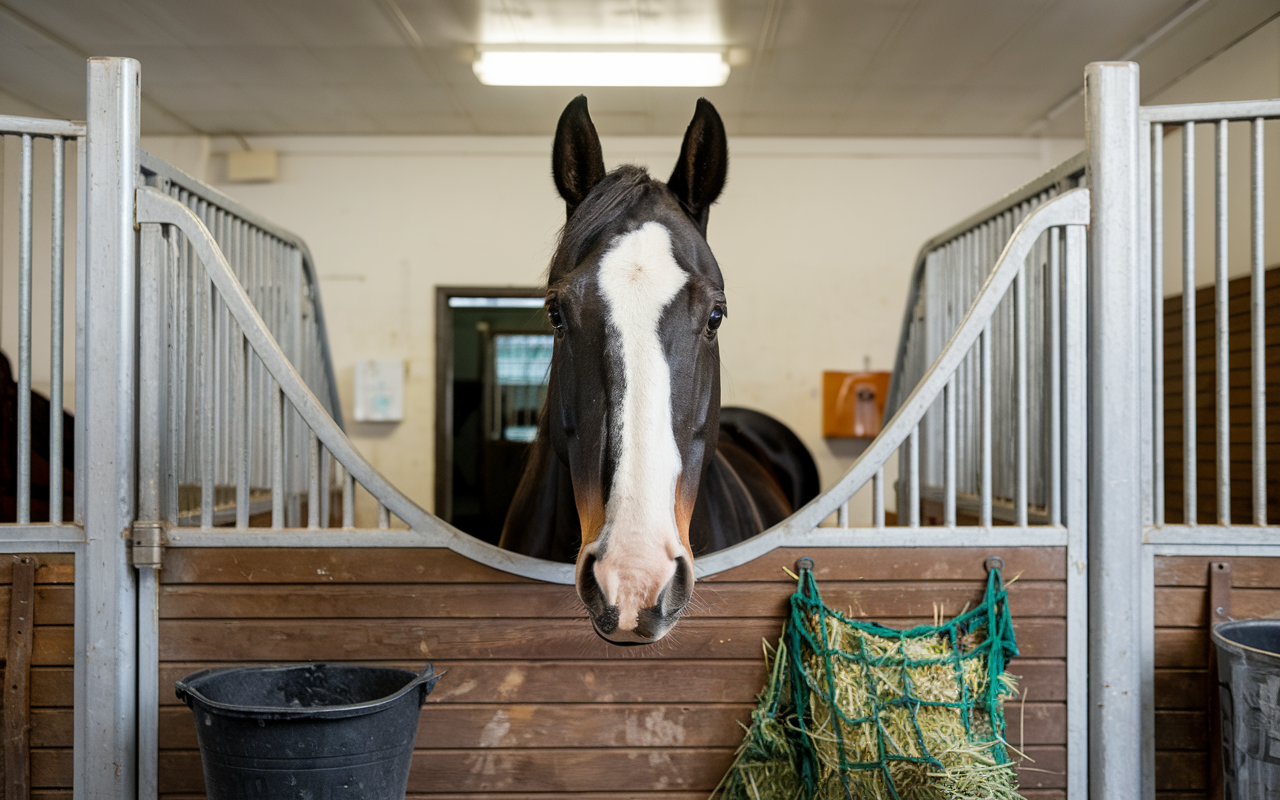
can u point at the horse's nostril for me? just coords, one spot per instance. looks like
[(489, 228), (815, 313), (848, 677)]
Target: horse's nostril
[(589, 588)]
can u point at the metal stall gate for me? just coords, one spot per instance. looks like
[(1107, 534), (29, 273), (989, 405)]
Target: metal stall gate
[(207, 428)]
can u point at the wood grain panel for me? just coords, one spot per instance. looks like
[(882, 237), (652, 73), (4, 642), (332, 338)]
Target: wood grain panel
[(565, 770), (859, 599), (377, 639), (533, 704)]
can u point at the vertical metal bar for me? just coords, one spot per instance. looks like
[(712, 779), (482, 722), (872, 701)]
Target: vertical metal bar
[(80, 304), (1258, 322), (326, 464), (984, 513), (384, 517), (1190, 514), (175, 341), (24, 336), (313, 481), (148, 684), (151, 403), (278, 490), (877, 499), (949, 453), (105, 761), (208, 307), (1221, 327), (1053, 301), (1020, 386), (1076, 508), (913, 476), (1159, 490), (842, 515), (1115, 423), (348, 501), (242, 447), (57, 265)]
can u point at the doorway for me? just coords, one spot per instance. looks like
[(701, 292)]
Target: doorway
[(493, 353)]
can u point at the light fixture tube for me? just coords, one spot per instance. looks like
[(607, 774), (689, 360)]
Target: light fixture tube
[(600, 68)]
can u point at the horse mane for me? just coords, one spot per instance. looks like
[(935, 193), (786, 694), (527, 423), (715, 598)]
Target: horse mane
[(617, 191)]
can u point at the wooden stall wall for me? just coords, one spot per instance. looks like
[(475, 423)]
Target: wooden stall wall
[(534, 704), (38, 657), (1182, 657), (1239, 398)]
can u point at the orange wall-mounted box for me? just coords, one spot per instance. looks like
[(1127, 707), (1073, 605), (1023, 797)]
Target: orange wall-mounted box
[(853, 403)]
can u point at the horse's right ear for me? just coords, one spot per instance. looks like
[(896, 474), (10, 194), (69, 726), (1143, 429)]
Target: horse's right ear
[(577, 162)]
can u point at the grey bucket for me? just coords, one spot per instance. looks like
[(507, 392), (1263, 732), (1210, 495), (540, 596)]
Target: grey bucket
[(1249, 689)]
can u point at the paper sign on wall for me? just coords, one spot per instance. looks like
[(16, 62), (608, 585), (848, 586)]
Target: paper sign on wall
[(379, 390)]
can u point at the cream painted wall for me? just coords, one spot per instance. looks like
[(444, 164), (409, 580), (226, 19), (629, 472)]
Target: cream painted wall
[(816, 239)]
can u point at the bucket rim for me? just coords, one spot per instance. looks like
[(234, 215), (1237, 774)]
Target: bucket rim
[(188, 694), (1216, 634)]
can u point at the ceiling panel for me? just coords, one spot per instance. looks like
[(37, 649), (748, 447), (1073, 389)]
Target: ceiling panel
[(801, 67)]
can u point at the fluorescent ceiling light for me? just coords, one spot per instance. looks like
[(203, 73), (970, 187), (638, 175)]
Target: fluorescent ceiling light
[(600, 68)]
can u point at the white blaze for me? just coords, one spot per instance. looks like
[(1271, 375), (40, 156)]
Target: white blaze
[(638, 278)]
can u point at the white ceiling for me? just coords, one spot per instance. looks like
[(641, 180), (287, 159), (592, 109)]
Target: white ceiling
[(802, 67)]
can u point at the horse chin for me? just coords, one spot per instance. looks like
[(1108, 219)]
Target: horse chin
[(632, 638)]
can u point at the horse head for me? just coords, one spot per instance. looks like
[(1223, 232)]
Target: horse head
[(635, 297)]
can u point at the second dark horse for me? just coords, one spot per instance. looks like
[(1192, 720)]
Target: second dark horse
[(635, 469)]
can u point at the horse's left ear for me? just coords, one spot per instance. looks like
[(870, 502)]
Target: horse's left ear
[(704, 164)]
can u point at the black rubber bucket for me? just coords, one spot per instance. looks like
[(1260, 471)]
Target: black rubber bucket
[(1249, 688), (306, 732)]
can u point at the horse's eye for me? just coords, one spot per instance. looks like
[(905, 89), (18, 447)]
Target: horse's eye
[(717, 316), (556, 318)]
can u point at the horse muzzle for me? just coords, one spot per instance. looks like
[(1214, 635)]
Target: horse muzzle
[(617, 624)]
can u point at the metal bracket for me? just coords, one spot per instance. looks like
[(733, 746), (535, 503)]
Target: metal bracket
[(993, 562), (803, 563), (149, 540)]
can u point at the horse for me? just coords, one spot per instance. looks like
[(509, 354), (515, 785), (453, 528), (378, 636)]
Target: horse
[(635, 471)]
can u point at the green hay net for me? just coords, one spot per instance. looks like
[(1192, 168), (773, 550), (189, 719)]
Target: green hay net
[(858, 710)]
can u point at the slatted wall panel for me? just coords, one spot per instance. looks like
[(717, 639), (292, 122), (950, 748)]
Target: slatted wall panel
[(1182, 658), (51, 688), (1239, 397), (534, 704)]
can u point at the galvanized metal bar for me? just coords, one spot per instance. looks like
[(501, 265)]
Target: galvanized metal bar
[(1146, 331), (313, 481), (1236, 110), (23, 456), (949, 454), (208, 306), (384, 517), (985, 381), (913, 473), (348, 500), (79, 304), (1115, 421), (148, 684), (877, 499), (1190, 513), (1020, 498), (57, 265), (243, 445), (1157, 319), (1076, 506), (1221, 328), (326, 462), (34, 126), (176, 274), (1258, 324), (278, 489), (842, 516), (1053, 302), (151, 405), (105, 673)]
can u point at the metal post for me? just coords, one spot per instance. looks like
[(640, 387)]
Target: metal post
[(1115, 417), (105, 760)]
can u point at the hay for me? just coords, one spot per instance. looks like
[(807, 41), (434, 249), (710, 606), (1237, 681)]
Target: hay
[(856, 710)]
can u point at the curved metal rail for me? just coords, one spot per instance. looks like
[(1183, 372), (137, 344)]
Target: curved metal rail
[(426, 529)]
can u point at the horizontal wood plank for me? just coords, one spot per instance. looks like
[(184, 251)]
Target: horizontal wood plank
[(621, 770), (901, 564), (860, 599), (1251, 573), (1188, 607), (1182, 730), (618, 681), (379, 639)]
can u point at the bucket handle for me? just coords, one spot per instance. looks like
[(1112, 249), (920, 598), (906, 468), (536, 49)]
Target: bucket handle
[(426, 681)]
